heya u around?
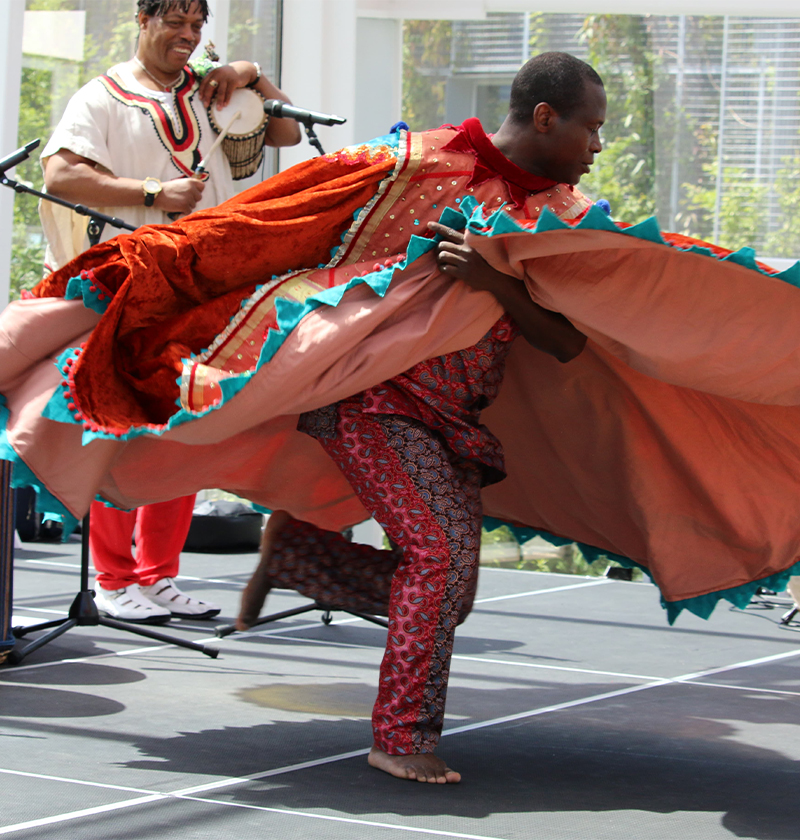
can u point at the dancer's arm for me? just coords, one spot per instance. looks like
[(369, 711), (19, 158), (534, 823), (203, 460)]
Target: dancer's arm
[(548, 331)]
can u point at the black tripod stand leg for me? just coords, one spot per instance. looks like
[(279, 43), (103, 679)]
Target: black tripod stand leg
[(17, 655), (381, 622), (787, 617), (226, 629), (154, 634), (83, 613), (21, 631)]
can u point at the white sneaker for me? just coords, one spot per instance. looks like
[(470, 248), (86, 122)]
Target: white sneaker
[(129, 604), (165, 594)]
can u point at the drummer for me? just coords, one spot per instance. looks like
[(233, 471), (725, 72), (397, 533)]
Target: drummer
[(128, 145), (130, 140)]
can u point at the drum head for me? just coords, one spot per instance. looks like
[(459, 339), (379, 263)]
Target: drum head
[(251, 105)]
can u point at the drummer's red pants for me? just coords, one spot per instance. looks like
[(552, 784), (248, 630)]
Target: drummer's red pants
[(160, 531), (428, 502)]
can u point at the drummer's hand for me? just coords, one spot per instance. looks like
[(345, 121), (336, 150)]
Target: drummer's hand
[(227, 79), (180, 195)]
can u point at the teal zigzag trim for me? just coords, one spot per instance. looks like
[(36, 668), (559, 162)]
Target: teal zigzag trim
[(288, 316), (701, 606), (595, 219), (470, 215)]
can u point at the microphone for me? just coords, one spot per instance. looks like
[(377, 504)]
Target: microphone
[(282, 109), (21, 154)]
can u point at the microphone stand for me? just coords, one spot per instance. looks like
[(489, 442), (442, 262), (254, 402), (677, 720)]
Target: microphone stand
[(97, 220), (83, 612), (312, 136), (276, 108)]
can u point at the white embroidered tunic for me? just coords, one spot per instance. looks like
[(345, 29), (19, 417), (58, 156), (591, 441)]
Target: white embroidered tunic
[(132, 132)]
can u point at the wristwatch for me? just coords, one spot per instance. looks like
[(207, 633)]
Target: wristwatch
[(151, 187)]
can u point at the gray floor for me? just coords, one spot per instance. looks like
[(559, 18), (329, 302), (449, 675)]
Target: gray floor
[(575, 713)]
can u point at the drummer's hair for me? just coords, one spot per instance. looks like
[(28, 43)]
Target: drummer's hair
[(159, 8), (557, 78)]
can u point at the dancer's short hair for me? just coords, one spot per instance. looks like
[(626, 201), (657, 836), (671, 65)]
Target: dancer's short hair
[(556, 78)]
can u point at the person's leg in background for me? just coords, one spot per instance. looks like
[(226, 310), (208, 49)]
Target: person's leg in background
[(118, 593), (141, 588), (161, 531)]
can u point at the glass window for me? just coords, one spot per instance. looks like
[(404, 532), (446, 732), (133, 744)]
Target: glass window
[(703, 122), (68, 42)]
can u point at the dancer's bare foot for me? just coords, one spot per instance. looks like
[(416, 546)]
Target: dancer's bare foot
[(259, 585), (421, 767)]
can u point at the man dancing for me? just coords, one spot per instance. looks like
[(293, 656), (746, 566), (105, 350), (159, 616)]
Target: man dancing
[(187, 354), (416, 455)]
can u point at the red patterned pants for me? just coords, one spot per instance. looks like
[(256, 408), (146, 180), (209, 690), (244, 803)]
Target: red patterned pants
[(428, 501)]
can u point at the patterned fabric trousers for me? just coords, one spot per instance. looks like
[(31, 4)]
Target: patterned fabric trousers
[(428, 501)]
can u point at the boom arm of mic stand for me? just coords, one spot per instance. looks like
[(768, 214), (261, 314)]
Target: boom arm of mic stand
[(99, 219)]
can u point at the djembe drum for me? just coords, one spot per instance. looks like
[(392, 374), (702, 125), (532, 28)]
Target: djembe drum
[(244, 143)]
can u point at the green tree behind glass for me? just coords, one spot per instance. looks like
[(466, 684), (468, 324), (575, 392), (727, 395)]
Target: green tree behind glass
[(625, 172), (45, 88), (426, 62)]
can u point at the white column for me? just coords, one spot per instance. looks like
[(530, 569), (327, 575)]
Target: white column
[(319, 69), (379, 76), (11, 17)]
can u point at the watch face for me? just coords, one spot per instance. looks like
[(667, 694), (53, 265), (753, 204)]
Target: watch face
[(151, 185)]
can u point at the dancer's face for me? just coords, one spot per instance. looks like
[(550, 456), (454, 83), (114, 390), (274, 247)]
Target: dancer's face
[(564, 148), (572, 142), (166, 41)]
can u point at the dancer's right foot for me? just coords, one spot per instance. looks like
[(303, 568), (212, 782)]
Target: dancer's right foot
[(259, 585), (420, 767)]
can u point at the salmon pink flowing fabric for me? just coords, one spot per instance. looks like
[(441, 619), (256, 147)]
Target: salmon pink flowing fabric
[(670, 442)]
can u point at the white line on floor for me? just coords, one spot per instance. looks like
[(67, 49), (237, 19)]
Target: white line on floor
[(762, 660), (190, 794), (463, 658), (599, 582), (86, 812), (555, 667), (63, 565), (684, 678), (46, 778), (745, 688), (52, 563), (349, 820), (348, 620), (225, 783)]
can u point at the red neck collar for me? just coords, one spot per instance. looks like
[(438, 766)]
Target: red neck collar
[(491, 163)]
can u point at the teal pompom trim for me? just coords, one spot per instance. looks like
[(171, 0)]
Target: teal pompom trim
[(81, 287), (470, 216), (288, 315), (57, 407)]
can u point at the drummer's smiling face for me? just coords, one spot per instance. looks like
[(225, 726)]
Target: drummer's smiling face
[(166, 41)]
